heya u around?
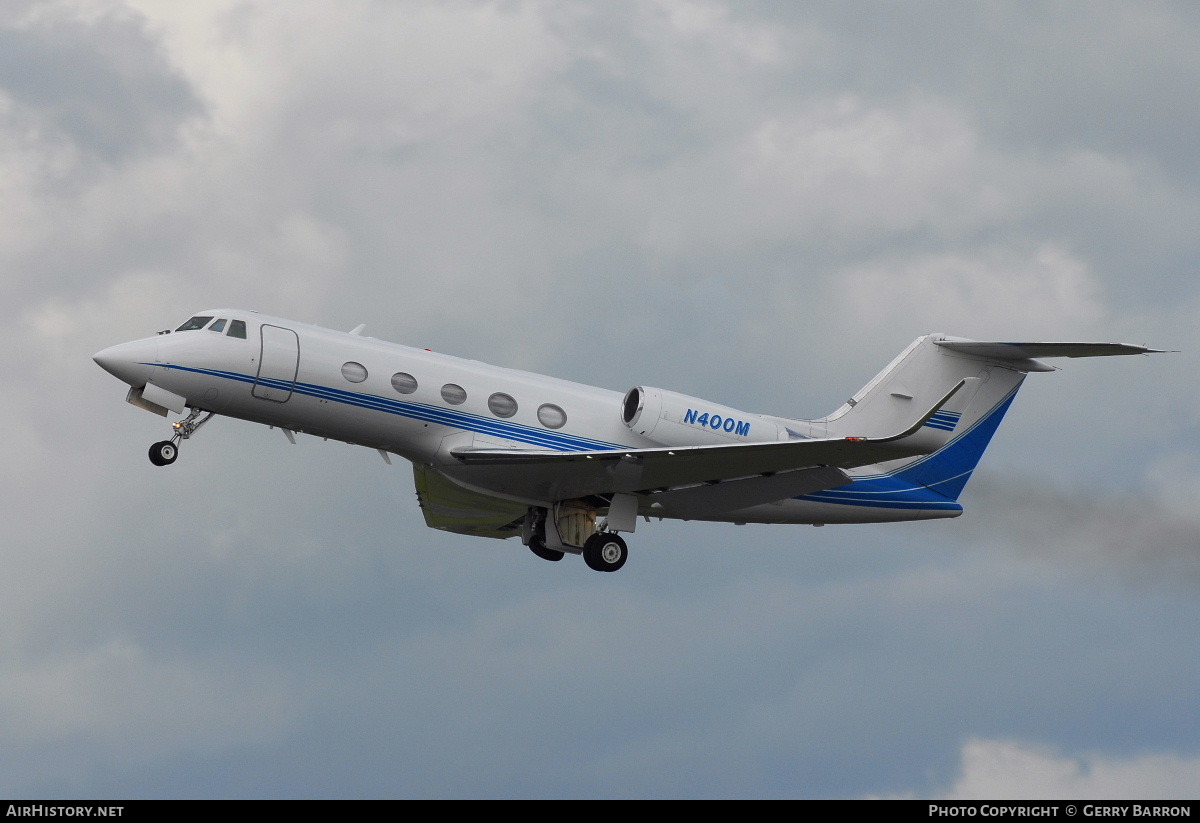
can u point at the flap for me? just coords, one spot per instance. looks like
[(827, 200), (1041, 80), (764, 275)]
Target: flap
[(730, 495), (449, 507)]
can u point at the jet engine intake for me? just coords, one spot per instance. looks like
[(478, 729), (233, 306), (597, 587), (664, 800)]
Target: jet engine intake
[(672, 419)]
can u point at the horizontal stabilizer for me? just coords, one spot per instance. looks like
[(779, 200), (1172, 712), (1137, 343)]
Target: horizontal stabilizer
[(1020, 353)]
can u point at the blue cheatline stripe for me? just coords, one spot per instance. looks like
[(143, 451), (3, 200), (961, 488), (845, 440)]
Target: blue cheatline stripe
[(419, 411), (931, 482), (884, 491)]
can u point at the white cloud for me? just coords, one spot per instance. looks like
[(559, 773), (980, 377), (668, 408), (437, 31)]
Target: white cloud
[(1014, 770), (853, 165), (387, 76)]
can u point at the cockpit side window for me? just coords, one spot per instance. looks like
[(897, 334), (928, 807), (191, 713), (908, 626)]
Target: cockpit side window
[(237, 328), (219, 326), (197, 322)]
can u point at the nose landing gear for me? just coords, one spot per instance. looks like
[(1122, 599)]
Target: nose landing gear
[(164, 452)]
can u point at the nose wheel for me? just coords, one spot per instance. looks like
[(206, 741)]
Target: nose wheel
[(165, 452)]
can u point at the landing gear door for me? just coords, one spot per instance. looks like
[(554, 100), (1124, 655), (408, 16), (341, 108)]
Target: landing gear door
[(277, 364)]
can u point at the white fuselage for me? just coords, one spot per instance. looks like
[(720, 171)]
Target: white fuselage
[(339, 385)]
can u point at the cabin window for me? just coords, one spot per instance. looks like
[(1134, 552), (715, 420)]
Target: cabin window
[(404, 382), (551, 416), (502, 405), (196, 322), (454, 394), (237, 328), (354, 372), (219, 326)]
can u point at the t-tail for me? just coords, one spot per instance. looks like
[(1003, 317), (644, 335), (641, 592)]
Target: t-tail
[(955, 437)]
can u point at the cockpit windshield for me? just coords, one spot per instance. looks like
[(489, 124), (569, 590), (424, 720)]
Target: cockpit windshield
[(197, 322)]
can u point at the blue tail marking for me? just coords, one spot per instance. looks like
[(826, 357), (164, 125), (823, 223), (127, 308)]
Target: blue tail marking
[(931, 482), (947, 470)]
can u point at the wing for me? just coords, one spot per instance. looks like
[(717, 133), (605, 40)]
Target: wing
[(708, 478)]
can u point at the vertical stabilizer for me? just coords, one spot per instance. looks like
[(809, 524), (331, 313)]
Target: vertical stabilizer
[(959, 432)]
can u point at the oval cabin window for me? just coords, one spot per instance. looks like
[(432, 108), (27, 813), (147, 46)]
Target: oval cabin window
[(454, 394), (551, 416), (404, 382), (354, 372), (502, 405)]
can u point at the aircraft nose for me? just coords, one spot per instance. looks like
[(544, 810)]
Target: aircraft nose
[(131, 362)]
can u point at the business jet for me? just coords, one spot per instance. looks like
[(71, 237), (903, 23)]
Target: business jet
[(568, 467)]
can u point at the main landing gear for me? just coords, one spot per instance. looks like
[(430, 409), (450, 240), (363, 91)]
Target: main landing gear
[(605, 552), (573, 529), (539, 548), (165, 452)]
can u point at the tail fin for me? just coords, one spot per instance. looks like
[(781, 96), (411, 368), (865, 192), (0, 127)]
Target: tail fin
[(960, 431)]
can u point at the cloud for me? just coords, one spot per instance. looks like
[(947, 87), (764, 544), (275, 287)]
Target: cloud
[(100, 82), (1015, 770), (999, 294)]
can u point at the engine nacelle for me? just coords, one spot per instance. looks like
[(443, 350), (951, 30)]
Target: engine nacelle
[(672, 419)]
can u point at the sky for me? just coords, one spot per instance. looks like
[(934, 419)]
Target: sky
[(759, 203)]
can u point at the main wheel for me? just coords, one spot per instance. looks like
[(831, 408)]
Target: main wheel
[(605, 552), (539, 548), (163, 453)]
